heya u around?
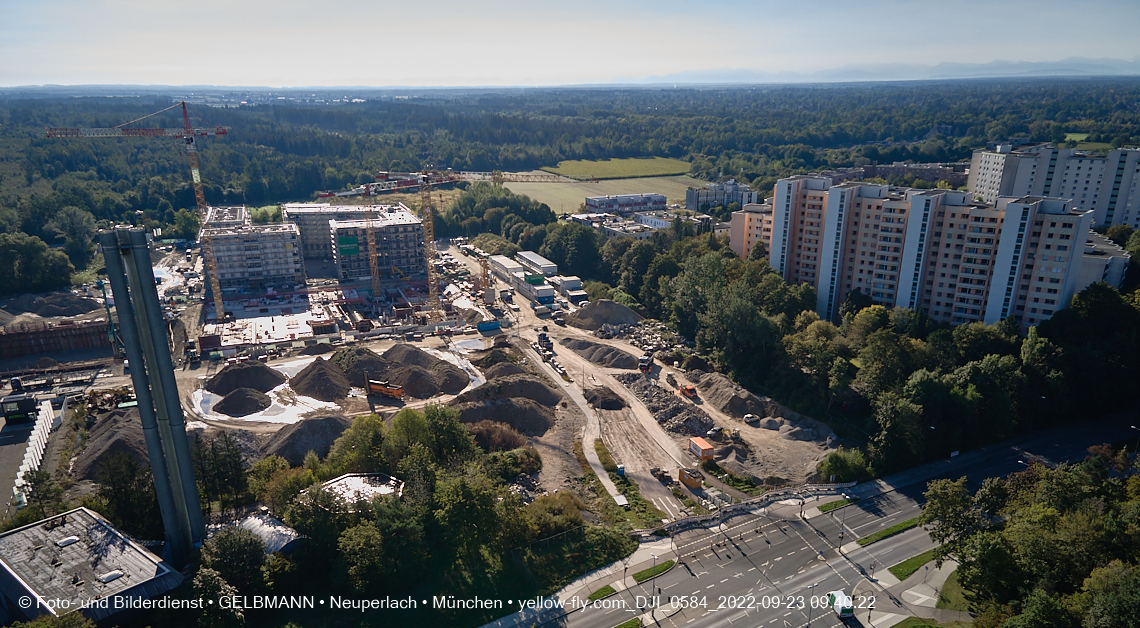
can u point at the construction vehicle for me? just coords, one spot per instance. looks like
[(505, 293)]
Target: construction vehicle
[(544, 341), (382, 387), (687, 391), (189, 135), (644, 364)]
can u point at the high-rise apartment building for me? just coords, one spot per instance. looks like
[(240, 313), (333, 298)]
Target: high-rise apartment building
[(1104, 183), (752, 224), (399, 236), (253, 257), (958, 259), (312, 220), (718, 194)]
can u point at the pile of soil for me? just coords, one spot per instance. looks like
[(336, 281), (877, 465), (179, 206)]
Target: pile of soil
[(601, 354), (52, 304), (523, 385), (316, 434), (667, 408), (120, 430), (321, 380), (502, 369), (495, 356), (469, 316), (697, 363), (45, 363), (604, 398), (355, 361), (422, 375), (317, 349), (242, 402), (522, 414), (728, 397), (602, 312), (251, 374)]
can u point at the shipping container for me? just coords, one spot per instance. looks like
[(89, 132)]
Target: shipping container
[(700, 448)]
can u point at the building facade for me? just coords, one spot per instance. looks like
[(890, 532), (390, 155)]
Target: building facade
[(253, 257), (752, 224), (625, 204), (1103, 183), (718, 194), (958, 259), (312, 220), (400, 249)]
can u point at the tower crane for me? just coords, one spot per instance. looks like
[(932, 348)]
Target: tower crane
[(188, 135), (435, 313)]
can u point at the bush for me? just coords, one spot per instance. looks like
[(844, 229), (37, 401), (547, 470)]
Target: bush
[(495, 436), (508, 464), (847, 465)]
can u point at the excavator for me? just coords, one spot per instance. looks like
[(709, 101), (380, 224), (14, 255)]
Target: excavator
[(380, 387)]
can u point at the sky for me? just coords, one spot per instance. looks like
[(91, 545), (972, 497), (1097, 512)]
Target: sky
[(293, 43)]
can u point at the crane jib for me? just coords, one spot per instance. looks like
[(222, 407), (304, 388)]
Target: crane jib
[(113, 132)]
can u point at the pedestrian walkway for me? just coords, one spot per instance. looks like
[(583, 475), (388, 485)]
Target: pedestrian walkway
[(917, 596)]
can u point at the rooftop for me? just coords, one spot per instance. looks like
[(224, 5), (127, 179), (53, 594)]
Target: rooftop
[(326, 208), (227, 216), (225, 229), (355, 487), (79, 557), (275, 534), (397, 216)]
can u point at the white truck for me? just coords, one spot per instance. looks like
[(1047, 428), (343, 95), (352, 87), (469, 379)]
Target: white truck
[(842, 605)]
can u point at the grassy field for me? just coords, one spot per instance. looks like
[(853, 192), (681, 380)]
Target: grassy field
[(891, 531), (1098, 146), (1076, 137), (620, 168), (646, 574), (566, 197), (921, 622), (953, 596), (903, 570)]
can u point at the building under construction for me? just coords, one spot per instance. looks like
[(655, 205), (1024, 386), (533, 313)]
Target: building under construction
[(312, 220), (399, 239), (254, 257)]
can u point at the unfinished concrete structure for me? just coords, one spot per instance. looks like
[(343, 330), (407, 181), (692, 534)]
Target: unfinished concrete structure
[(254, 257), (312, 220), (399, 245)]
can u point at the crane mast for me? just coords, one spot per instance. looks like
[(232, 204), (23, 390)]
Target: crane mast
[(188, 135), (435, 313)]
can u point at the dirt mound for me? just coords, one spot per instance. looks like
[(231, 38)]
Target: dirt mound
[(725, 395), (502, 369), (604, 398), (117, 431), (421, 374), (318, 349), (354, 361), (523, 415), (495, 356), (45, 363), (667, 408), (602, 312), (469, 316), (53, 304), (696, 362), (600, 354), (251, 374), (524, 385), (321, 380), (243, 402), (317, 434)]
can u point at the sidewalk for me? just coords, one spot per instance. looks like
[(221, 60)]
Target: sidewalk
[(917, 596), (572, 596)]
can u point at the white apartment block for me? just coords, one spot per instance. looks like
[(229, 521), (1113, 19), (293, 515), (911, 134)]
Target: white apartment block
[(958, 259), (1102, 183), (253, 257), (719, 194), (400, 248), (312, 220)]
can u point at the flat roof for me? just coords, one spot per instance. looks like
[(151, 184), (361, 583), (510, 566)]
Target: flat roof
[(700, 442), (237, 214), (355, 487), (535, 258), (400, 217), (326, 208), (70, 555)]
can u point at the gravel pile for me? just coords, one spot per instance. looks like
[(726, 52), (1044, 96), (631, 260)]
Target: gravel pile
[(604, 398), (600, 354), (316, 434), (602, 312), (320, 348), (502, 369), (120, 430), (242, 402), (52, 304), (669, 410), (321, 380), (730, 398), (251, 374), (495, 356), (522, 414), (523, 385), (355, 361)]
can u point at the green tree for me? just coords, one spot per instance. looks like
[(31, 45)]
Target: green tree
[(42, 493), (70, 620), (899, 441), (30, 266), (262, 472), (847, 465), (1043, 611), (362, 548), (360, 449), (239, 556), (575, 248), (128, 489), (77, 228), (950, 516), (465, 513), (210, 585)]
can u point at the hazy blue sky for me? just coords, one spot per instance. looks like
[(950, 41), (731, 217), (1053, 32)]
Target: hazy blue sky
[(446, 42)]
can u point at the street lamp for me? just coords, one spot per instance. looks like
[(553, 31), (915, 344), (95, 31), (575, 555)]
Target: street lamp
[(812, 598), (843, 520), (652, 572)]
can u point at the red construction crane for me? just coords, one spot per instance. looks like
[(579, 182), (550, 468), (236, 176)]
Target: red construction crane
[(189, 135)]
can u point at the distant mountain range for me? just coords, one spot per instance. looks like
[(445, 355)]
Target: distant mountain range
[(1073, 66)]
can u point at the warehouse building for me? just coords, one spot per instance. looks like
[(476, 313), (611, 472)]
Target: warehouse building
[(399, 245), (253, 257), (312, 220)]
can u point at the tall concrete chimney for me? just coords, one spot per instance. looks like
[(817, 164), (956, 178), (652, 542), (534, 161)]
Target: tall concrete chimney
[(141, 323)]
